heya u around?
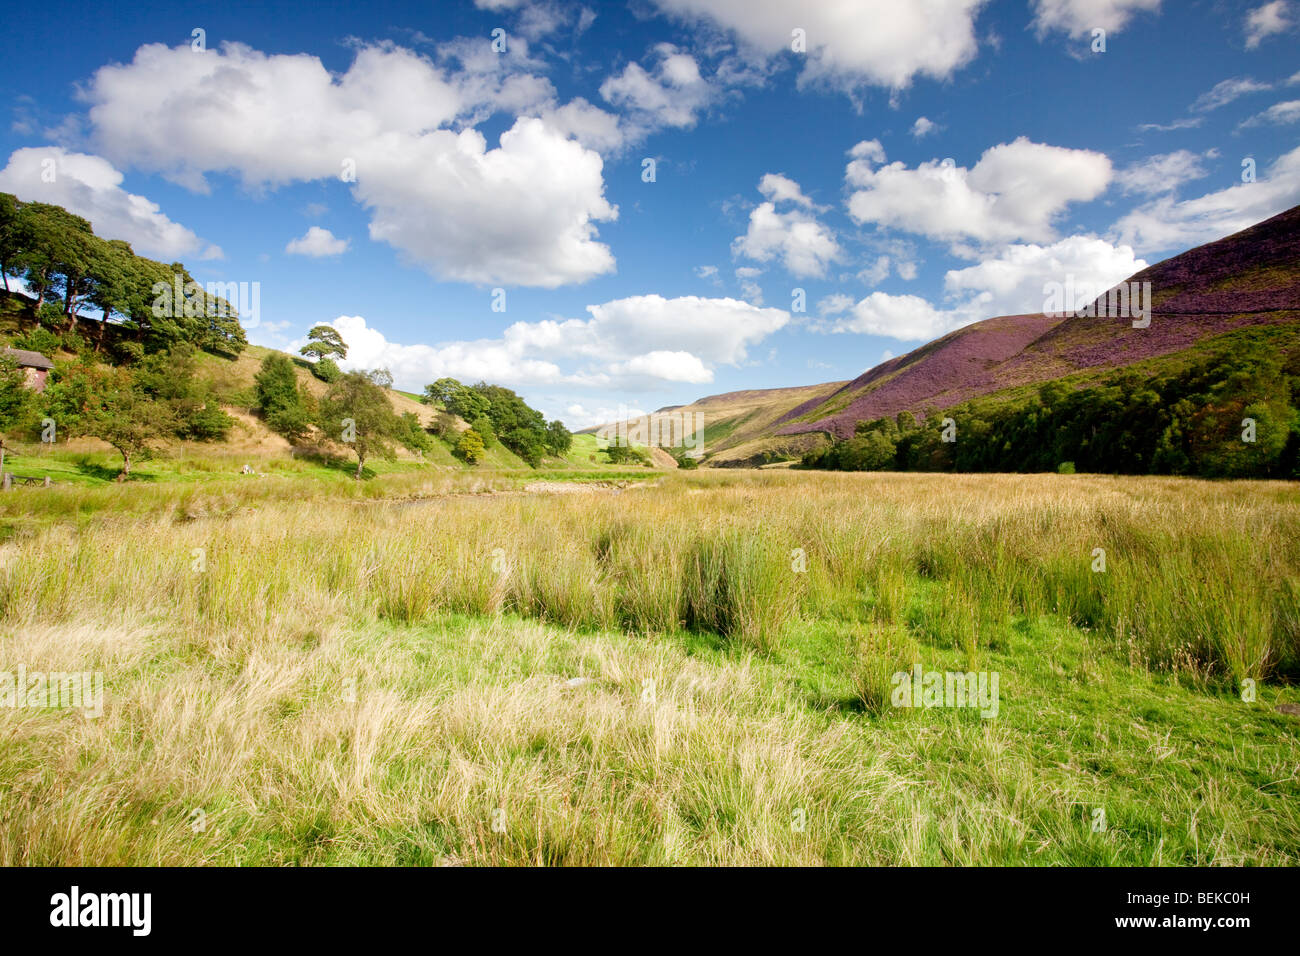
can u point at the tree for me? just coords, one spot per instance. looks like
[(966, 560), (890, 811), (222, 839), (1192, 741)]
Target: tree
[(9, 236), (356, 412), (172, 377), (558, 438), (470, 447), (283, 407), (324, 341), (412, 435), (124, 415), (458, 399), (52, 245)]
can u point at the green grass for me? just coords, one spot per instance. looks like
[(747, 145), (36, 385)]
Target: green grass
[(377, 672)]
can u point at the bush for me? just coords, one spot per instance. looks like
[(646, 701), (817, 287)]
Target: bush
[(39, 339), (326, 369), (278, 397), (1065, 468), (470, 447), (627, 455)]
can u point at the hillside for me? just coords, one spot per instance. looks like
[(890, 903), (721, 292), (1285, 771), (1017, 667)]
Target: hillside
[(250, 440), (738, 426), (1249, 279)]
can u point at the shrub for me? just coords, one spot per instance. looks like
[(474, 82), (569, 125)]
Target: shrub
[(326, 369), (1065, 468), (470, 447), (39, 339)]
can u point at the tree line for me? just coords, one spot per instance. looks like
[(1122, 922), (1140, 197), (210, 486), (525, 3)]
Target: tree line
[(1232, 415), (496, 414), (69, 270)]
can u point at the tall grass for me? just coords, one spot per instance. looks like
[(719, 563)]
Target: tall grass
[(386, 674), (1190, 578)]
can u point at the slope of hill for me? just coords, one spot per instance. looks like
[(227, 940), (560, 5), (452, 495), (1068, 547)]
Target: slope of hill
[(1249, 279), (737, 427)]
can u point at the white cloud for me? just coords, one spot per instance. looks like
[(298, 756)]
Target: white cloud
[(869, 150), (90, 187), (1081, 17), (666, 367), (537, 18), (836, 303), (1225, 91), (777, 188), (1166, 224), (1266, 21), (578, 416), (877, 42), (923, 127), (523, 212), (589, 125), (1010, 283), (877, 272), (638, 342), (1015, 191), (1278, 114), (1161, 174), (1190, 123), (672, 94), (317, 243), (803, 244)]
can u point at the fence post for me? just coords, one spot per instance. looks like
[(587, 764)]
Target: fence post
[(9, 481)]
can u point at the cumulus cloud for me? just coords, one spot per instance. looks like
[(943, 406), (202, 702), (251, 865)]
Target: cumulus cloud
[(317, 243), (522, 212), (875, 42), (1010, 283), (1161, 174), (1014, 192), (671, 94), (777, 188), (1266, 21), (1166, 224), (589, 125), (1081, 17), (923, 127), (92, 188), (1225, 91), (639, 342), (537, 18), (803, 244)]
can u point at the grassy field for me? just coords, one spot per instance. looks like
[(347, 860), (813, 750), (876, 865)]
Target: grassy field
[(477, 668)]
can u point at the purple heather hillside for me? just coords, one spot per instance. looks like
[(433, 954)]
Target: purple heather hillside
[(1250, 278)]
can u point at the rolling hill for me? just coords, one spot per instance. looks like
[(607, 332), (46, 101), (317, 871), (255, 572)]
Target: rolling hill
[(1249, 279)]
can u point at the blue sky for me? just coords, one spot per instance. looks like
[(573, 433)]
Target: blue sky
[(911, 167)]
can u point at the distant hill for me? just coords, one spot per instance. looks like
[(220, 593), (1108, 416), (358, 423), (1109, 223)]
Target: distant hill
[(1251, 278)]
